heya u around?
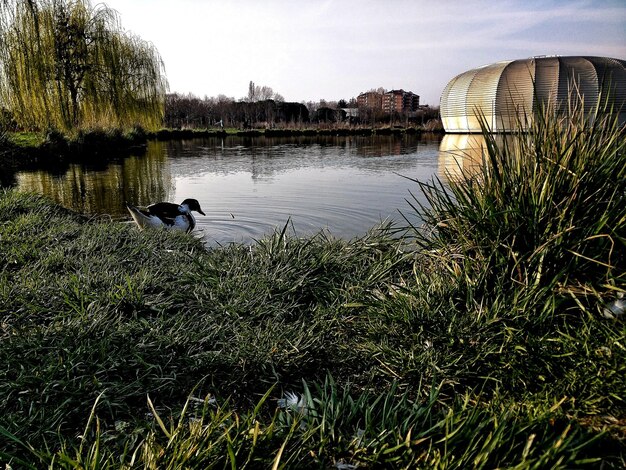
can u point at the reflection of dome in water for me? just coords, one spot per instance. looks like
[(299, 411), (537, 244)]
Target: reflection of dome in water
[(508, 91), (460, 154)]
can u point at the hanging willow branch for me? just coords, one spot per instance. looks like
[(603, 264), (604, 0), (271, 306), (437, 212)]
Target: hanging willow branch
[(68, 65)]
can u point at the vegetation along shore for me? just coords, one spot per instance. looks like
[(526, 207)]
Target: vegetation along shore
[(490, 337)]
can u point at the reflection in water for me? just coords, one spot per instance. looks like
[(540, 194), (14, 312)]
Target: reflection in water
[(249, 186), (266, 157), (463, 154), (387, 145), (139, 179), (460, 154)]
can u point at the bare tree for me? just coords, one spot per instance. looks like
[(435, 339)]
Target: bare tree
[(252, 92), (261, 93)]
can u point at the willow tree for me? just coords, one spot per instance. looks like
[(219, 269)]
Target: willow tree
[(69, 65)]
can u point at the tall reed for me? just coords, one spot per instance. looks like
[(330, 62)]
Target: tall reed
[(547, 209)]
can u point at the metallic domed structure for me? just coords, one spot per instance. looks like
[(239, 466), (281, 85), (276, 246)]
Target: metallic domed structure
[(507, 93)]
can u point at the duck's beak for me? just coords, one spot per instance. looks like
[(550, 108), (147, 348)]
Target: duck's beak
[(200, 211)]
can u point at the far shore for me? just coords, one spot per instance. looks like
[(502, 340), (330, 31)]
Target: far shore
[(24, 149)]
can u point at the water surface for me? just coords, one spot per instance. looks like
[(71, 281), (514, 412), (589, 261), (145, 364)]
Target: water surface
[(250, 186)]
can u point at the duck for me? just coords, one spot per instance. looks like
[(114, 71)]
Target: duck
[(167, 214)]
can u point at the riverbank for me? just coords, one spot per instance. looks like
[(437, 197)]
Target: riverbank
[(30, 146), (167, 134), (23, 150), (481, 341)]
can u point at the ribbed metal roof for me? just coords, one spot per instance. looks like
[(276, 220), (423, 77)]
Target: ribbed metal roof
[(507, 93)]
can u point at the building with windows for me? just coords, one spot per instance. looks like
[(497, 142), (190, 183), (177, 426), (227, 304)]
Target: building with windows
[(411, 101), (371, 99), (393, 101), (398, 101), (508, 94)]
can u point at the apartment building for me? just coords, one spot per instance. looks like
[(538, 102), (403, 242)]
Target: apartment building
[(371, 99), (398, 101)]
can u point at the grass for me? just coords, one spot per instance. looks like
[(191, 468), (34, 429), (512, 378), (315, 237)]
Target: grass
[(477, 341), (26, 139), (52, 145)]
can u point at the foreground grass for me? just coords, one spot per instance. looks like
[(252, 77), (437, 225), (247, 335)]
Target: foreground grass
[(481, 343)]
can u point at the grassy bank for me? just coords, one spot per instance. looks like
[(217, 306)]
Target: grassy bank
[(478, 341), (22, 149)]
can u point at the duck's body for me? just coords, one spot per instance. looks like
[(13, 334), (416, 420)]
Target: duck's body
[(167, 215)]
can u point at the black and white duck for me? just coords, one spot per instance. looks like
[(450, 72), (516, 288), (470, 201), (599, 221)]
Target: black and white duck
[(167, 215)]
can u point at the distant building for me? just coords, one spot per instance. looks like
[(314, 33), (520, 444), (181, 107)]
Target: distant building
[(371, 99), (393, 101), (351, 112), (411, 101), (398, 101)]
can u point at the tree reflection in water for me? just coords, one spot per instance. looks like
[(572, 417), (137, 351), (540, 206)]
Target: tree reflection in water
[(137, 179)]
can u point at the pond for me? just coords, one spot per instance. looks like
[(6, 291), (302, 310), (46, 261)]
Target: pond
[(249, 187)]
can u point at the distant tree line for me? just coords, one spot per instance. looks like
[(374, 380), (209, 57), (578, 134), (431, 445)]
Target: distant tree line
[(192, 112), (262, 107)]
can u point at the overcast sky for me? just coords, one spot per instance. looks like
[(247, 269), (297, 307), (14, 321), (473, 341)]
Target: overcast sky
[(333, 49)]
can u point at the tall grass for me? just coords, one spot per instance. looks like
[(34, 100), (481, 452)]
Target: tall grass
[(333, 428), (476, 341), (547, 209)]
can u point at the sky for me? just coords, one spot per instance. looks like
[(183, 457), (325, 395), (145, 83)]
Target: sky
[(335, 49)]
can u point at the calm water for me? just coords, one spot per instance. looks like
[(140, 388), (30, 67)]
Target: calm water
[(249, 186)]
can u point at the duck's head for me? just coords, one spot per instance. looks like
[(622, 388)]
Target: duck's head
[(193, 205)]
